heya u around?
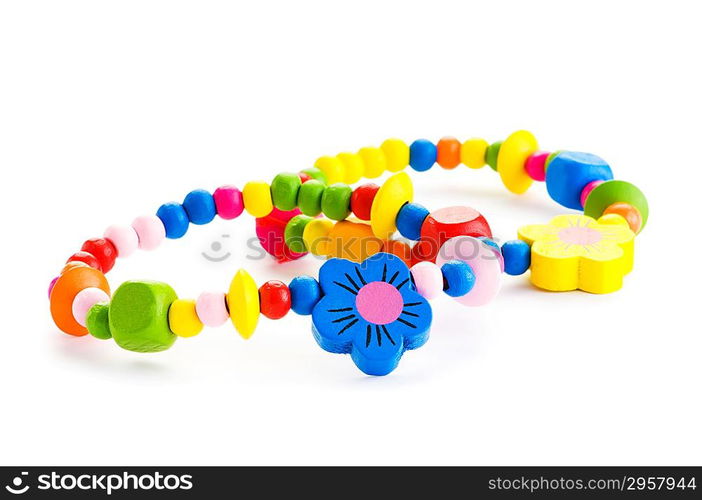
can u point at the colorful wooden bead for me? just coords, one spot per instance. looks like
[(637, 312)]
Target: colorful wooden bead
[(316, 174), (392, 195), (496, 248), (569, 172), (294, 230), (304, 177), (316, 236), (229, 202), (150, 231), (410, 219), (449, 222), (174, 220), (257, 198), (396, 154), (587, 190), (270, 231), (629, 212), (309, 198), (73, 264), (399, 249), (428, 279), (51, 285), (69, 284), (362, 200), (124, 239), (448, 152), (244, 303), (614, 191), (211, 308), (98, 321), (86, 258), (353, 167), (336, 201), (183, 319), (473, 153), (304, 294), (284, 191), (422, 155), (103, 250), (458, 278), (84, 300), (352, 241), (517, 257), (200, 207), (374, 162), (550, 158), (535, 165), (514, 152), (491, 154), (275, 299), (332, 167)]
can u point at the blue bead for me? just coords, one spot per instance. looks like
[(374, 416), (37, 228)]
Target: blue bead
[(304, 294), (174, 219), (409, 220), (200, 207), (517, 255), (422, 155), (490, 242), (458, 278), (569, 172)]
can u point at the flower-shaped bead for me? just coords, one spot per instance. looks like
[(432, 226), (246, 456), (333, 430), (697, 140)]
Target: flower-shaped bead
[(370, 310), (577, 252)]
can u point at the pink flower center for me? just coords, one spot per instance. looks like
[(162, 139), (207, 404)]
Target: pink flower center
[(579, 235), (379, 303)]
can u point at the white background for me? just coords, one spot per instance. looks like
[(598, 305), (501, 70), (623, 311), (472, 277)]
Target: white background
[(108, 109)]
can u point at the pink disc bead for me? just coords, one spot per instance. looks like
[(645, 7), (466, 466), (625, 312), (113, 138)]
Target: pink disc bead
[(535, 165), (150, 231), (587, 190), (51, 285), (211, 308), (428, 279), (84, 300), (124, 238), (229, 202)]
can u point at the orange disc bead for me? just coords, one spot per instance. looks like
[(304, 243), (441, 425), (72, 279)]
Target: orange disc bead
[(630, 213), (65, 290), (448, 152), (399, 249)]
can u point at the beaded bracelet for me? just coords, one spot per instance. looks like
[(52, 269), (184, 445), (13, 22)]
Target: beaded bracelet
[(377, 307)]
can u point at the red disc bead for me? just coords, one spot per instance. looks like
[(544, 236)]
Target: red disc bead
[(362, 200), (86, 258), (275, 299), (103, 250)]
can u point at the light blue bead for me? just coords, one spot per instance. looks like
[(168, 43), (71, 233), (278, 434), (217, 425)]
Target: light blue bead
[(304, 294), (459, 278), (422, 155), (569, 172), (517, 255), (410, 219), (174, 219), (200, 207)]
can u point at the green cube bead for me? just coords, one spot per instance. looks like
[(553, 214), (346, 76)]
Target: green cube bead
[(310, 197), (491, 154), (294, 230), (97, 321), (336, 201), (284, 189), (316, 174)]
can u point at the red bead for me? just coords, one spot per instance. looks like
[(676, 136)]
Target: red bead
[(446, 223), (303, 177), (275, 299), (86, 258), (103, 250), (362, 200)]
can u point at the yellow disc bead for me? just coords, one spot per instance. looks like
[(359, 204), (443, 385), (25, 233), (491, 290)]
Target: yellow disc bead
[(353, 167), (473, 153), (332, 168), (244, 305), (395, 192), (373, 161), (510, 161), (257, 198), (396, 154), (183, 319), (316, 236)]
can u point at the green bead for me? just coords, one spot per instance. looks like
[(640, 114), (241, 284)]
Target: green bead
[(551, 157), (614, 191), (316, 174), (284, 189), (336, 201), (139, 316), (491, 154), (310, 198), (293, 232), (97, 321)]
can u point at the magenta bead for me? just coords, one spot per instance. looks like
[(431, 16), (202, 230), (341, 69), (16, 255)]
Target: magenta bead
[(587, 190), (84, 300), (150, 231), (229, 202), (51, 285), (124, 238), (535, 165), (211, 308)]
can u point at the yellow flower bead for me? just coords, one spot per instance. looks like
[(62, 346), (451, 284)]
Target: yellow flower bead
[(353, 167), (183, 319), (396, 154), (244, 304), (316, 236), (374, 162), (473, 153), (332, 167), (257, 198)]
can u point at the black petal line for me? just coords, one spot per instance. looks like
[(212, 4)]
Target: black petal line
[(387, 334), (346, 288), (344, 318), (353, 283), (402, 284), (393, 277), (360, 276), (347, 326), (406, 323)]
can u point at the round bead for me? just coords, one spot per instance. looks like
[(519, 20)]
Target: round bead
[(395, 192), (352, 241), (257, 198), (315, 174), (422, 155), (316, 236), (284, 190), (211, 308), (550, 158), (51, 285), (183, 319), (428, 279), (332, 168), (399, 249), (569, 172), (517, 256), (513, 154), (305, 292), (103, 250), (353, 167), (294, 230), (587, 190), (629, 212), (84, 300), (244, 303), (473, 153), (458, 278), (229, 202), (65, 290), (396, 154), (492, 153), (200, 207), (73, 264), (446, 223), (304, 177), (270, 231), (124, 238), (362, 200), (98, 321), (410, 219), (611, 192), (535, 165), (374, 162), (86, 258), (336, 201), (448, 152), (174, 220), (309, 198), (150, 231), (275, 299)]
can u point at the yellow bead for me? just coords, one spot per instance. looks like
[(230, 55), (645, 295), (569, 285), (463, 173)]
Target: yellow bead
[(244, 305), (396, 154), (613, 219), (257, 198), (395, 192), (316, 236), (353, 167), (183, 319), (332, 168), (374, 162), (473, 153), (510, 161)]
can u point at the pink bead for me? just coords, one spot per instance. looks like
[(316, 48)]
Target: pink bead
[(229, 202), (84, 300), (587, 190), (211, 308), (428, 279), (535, 165), (150, 231), (51, 285), (124, 238)]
